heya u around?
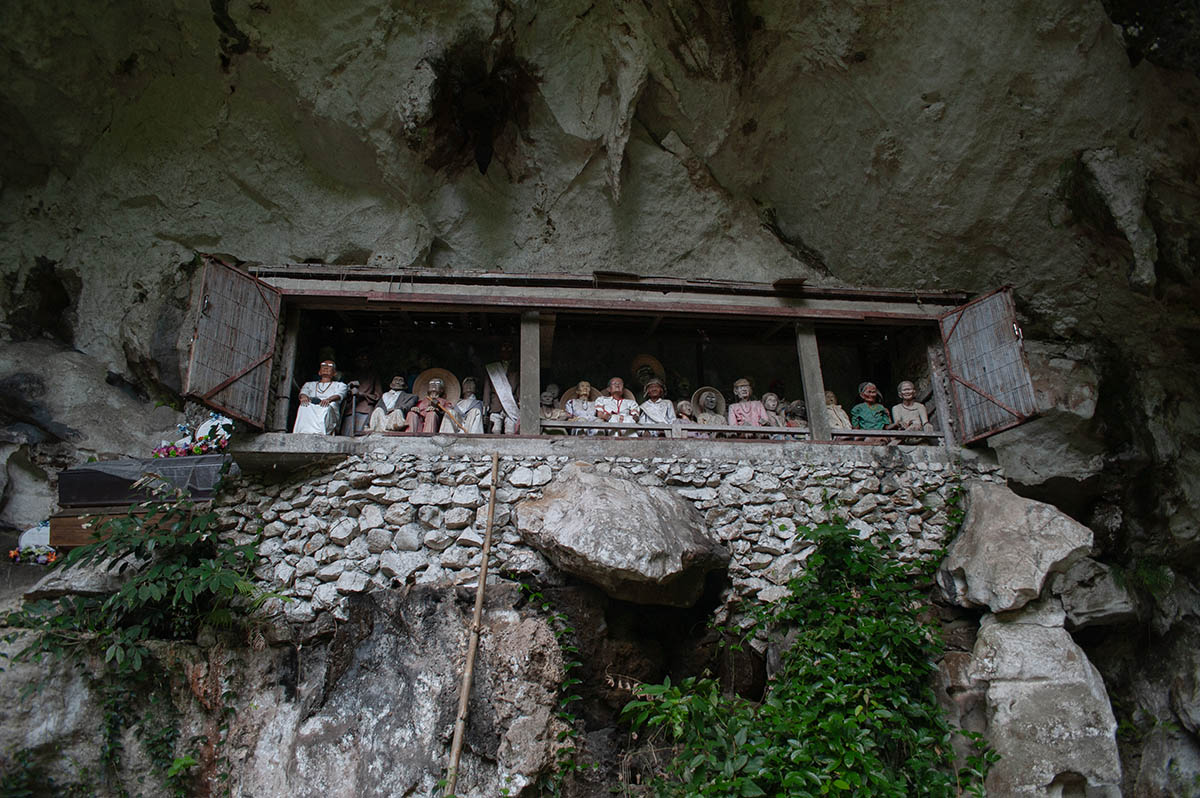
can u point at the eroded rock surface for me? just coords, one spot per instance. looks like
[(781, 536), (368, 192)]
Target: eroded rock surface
[(638, 543), (1007, 548), (362, 708), (1093, 596), (1048, 712)]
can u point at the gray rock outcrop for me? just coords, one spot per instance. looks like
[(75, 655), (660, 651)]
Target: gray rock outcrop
[(366, 708), (1007, 548), (1048, 713), (1093, 596), (638, 543)]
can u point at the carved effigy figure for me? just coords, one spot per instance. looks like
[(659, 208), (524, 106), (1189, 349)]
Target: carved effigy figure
[(548, 412), (869, 413), (320, 402), (430, 410), (439, 390), (770, 403), (553, 390), (580, 404), (910, 414), (617, 406), (500, 393), (710, 404), (838, 419), (656, 409), (391, 414), (369, 390), (796, 414), (467, 411), (646, 368), (687, 414), (746, 411)]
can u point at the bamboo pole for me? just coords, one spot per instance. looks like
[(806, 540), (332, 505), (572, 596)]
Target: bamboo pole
[(460, 723)]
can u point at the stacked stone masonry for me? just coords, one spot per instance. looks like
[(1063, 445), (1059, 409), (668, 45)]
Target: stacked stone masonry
[(387, 517)]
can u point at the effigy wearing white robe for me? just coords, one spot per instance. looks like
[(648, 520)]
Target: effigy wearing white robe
[(469, 412), (661, 411), (315, 418), (391, 414), (623, 411)]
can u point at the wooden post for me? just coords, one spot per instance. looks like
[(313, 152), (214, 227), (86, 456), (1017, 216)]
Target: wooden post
[(935, 353), (287, 369), (814, 384), (531, 372), (464, 693)]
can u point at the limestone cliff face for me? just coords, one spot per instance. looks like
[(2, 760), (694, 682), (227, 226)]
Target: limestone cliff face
[(1053, 146), (897, 145)]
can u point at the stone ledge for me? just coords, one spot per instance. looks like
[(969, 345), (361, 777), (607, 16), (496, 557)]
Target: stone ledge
[(284, 451)]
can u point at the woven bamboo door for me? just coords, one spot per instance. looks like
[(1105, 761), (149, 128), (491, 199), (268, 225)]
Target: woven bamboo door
[(233, 343), (986, 363)]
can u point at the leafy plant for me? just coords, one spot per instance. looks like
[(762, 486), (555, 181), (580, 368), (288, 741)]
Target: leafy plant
[(849, 712), (178, 576)]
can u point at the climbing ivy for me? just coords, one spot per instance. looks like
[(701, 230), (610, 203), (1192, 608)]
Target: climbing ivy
[(850, 710)]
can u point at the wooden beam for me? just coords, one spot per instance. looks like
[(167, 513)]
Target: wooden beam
[(814, 383), (287, 369), (531, 372)]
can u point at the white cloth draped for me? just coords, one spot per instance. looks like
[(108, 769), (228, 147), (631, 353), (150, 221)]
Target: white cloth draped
[(315, 418)]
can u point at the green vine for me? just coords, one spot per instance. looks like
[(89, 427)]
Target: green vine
[(178, 577), (850, 710), (566, 756)]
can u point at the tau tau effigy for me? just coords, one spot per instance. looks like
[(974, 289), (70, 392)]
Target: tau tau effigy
[(746, 411), (656, 409), (711, 406), (869, 413), (837, 414), (617, 407), (368, 393), (320, 402), (441, 391), (465, 415), (910, 414), (500, 393), (391, 414), (580, 404)]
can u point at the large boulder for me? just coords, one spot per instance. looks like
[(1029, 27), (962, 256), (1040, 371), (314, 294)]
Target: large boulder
[(1048, 714), (1007, 548), (638, 543)]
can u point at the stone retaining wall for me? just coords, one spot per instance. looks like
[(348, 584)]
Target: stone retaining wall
[(387, 514)]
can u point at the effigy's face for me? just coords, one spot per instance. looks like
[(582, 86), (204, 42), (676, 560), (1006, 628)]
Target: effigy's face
[(327, 369), (907, 391), (616, 387), (770, 401), (398, 384), (654, 391), (870, 394), (741, 390), (583, 390), (709, 401), (436, 387)]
